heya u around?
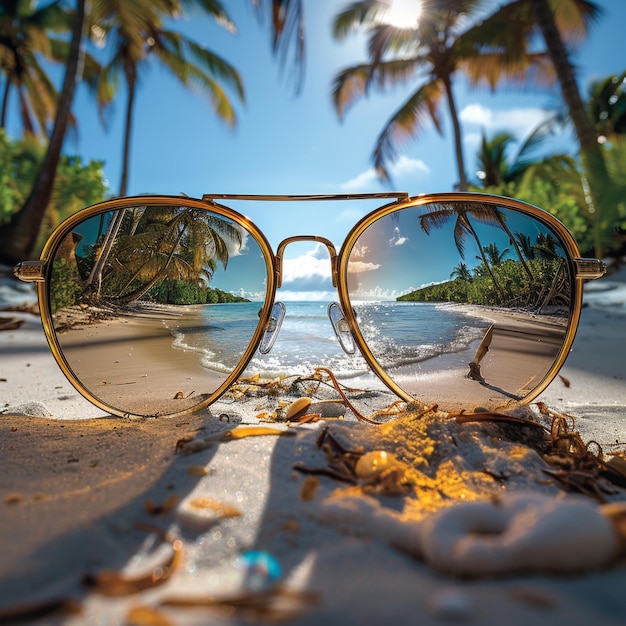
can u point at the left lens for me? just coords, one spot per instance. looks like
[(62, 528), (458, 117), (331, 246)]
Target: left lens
[(155, 307), (463, 303)]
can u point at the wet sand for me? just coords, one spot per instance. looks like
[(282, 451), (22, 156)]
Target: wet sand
[(520, 353)]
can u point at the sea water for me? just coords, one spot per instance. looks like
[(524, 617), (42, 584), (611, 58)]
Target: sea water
[(398, 333)]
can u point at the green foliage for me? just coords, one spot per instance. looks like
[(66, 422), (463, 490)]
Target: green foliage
[(66, 284), (517, 289), (76, 185), (560, 185), (184, 292)]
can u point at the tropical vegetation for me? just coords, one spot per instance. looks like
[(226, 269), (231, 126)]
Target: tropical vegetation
[(515, 289), (161, 254), (76, 184)]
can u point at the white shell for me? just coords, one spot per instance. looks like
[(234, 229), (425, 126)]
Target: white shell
[(373, 463)]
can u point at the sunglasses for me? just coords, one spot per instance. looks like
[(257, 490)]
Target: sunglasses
[(155, 305)]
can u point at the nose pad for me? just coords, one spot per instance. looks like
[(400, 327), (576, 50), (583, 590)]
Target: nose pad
[(272, 328), (341, 328)]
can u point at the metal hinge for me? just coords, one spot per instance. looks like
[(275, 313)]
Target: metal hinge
[(30, 271), (590, 269)]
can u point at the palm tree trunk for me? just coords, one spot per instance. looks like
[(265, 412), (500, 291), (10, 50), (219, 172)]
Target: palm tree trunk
[(131, 83), (102, 256), (19, 236), (481, 251), (565, 74), (458, 144), (514, 243), (591, 153)]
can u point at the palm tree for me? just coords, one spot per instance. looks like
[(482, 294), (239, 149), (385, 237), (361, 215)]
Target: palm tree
[(439, 214), (559, 23), (166, 242), (497, 168), (551, 21), (20, 234), (440, 46), (546, 246), (494, 254), (26, 37), (526, 245), (461, 271), (140, 36)]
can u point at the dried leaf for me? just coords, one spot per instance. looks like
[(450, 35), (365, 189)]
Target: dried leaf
[(115, 584), (198, 470), (297, 408), (10, 323), (241, 432), (222, 509)]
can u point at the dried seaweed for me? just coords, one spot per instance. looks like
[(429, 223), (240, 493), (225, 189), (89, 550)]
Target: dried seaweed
[(114, 584)]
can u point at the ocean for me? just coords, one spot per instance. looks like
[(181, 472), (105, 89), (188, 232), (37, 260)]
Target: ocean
[(398, 333)]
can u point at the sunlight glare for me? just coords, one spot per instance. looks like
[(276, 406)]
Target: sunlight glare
[(403, 13)]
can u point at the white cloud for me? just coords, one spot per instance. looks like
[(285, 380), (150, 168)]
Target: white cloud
[(362, 266), (288, 295), (405, 166), (364, 180), (518, 121), (400, 169), (238, 250), (310, 271), (375, 293), (398, 239)]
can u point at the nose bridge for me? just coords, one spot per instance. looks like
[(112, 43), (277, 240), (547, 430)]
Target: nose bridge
[(329, 246)]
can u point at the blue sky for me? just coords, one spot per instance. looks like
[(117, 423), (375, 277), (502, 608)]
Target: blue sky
[(294, 144)]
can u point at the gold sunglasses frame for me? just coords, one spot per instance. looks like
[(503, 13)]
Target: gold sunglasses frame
[(39, 272)]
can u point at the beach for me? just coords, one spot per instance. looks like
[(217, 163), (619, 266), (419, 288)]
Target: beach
[(227, 517)]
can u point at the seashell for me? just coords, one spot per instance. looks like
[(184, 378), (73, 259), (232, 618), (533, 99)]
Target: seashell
[(373, 463), (297, 408)]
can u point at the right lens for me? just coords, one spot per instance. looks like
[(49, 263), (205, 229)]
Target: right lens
[(155, 306), (462, 302)]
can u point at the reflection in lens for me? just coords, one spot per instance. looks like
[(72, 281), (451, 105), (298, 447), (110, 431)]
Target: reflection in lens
[(463, 304), (155, 306)]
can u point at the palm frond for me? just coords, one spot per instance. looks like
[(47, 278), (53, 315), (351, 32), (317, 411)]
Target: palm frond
[(349, 85), (574, 17), (287, 20), (406, 123), (357, 14), (386, 39)]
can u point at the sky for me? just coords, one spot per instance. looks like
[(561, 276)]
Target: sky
[(288, 143)]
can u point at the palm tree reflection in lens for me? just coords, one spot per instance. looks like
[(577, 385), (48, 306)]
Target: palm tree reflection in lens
[(128, 291)]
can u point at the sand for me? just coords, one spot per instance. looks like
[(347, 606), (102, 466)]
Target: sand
[(75, 483)]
